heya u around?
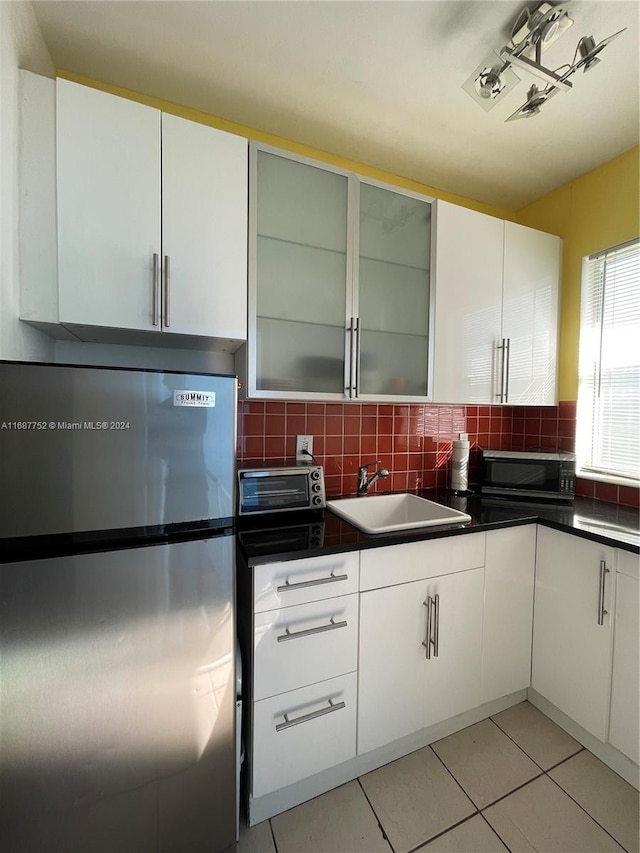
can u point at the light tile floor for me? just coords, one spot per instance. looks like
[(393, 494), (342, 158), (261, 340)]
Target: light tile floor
[(515, 781)]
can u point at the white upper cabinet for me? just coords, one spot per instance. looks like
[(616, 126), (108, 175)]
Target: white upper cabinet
[(531, 278), (152, 225), (108, 152), (469, 248), (204, 230), (496, 317), (340, 297)]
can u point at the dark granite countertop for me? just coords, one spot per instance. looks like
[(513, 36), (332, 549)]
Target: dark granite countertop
[(279, 537)]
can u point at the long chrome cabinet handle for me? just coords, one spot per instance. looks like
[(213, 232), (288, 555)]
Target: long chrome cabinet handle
[(295, 635), (304, 584), (352, 358), (305, 718), (506, 380), (165, 296), (155, 311), (604, 571), (427, 642), (436, 625), (356, 369), (502, 348)]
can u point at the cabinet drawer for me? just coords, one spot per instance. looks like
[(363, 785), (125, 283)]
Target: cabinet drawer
[(419, 560), (304, 644), (299, 581), (303, 732)]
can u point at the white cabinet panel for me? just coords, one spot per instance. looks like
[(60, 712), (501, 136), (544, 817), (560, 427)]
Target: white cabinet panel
[(418, 560), (571, 649), (391, 664), (453, 673), (530, 313), (303, 732), (625, 687), (108, 162), (469, 248), (298, 581), (300, 645), (496, 319), (508, 611), (204, 229), (420, 656)]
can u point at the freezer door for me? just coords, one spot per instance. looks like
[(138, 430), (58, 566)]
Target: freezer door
[(90, 449), (117, 721)]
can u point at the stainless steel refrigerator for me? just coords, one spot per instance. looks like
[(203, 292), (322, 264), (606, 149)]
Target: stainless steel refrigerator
[(117, 627)]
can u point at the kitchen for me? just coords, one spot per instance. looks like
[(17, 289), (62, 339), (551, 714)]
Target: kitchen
[(413, 439)]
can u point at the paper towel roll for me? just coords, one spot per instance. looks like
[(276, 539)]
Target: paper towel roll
[(460, 464)]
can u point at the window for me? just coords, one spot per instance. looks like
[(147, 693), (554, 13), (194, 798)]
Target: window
[(608, 419)]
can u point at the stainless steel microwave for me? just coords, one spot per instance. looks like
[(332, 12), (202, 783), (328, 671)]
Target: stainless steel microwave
[(280, 489), (529, 473)]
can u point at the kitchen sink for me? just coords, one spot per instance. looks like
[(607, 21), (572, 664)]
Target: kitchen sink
[(384, 513)]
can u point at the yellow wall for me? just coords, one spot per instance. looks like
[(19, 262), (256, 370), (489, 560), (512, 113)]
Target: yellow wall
[(287, 144), (591, 213)]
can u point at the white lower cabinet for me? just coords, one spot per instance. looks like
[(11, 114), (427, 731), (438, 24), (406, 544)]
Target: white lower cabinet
[(303, 732), (625, 689), (305, 660), (304, 644), (573, 627), (420, 655), (508, 610)]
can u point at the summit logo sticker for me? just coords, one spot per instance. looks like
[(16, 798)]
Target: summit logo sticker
[(202, 399)]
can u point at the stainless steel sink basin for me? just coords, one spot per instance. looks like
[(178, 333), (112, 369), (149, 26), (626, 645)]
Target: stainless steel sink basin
[(384, 513)]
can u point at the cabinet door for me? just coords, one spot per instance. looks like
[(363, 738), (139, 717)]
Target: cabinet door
[(453, 673), (508, 611), (468, 312), (530, 313), (204, 230), (571, 649), (393, 294), (392, 664), (299, 276), (623, 733), (108, 162)]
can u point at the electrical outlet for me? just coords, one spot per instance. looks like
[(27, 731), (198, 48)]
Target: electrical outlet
[(304, 442)]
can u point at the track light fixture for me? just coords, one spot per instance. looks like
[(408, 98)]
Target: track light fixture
[(532, 33)]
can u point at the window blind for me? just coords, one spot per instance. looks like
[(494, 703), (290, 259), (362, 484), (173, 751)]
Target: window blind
[(608, 415)]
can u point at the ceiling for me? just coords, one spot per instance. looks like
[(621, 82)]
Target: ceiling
[(379, 82)]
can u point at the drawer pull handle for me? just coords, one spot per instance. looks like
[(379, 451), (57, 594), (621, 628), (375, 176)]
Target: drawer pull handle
[(432, 640), (294, 635), (333, 706), (304, 584)]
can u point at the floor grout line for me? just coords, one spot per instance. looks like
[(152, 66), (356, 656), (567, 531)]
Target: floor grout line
[(512, 791), (496, 833), (564, 760), (454, 778), (375, 814), (273, 836), (522, 749), (604, 829), (444, 832)]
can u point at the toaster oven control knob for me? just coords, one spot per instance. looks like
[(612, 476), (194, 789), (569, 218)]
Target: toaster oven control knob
[(315, 475), (316, 487), (317, 500)]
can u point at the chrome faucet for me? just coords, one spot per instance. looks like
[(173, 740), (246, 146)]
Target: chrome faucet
[(363, 484)]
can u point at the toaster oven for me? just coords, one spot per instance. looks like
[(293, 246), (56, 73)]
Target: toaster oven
[(283, 488)]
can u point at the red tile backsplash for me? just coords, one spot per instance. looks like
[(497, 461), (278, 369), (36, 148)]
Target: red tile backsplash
[(413, 441)]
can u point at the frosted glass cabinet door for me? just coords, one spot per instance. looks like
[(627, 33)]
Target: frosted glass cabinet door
[(301, 276), (393, 293)]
